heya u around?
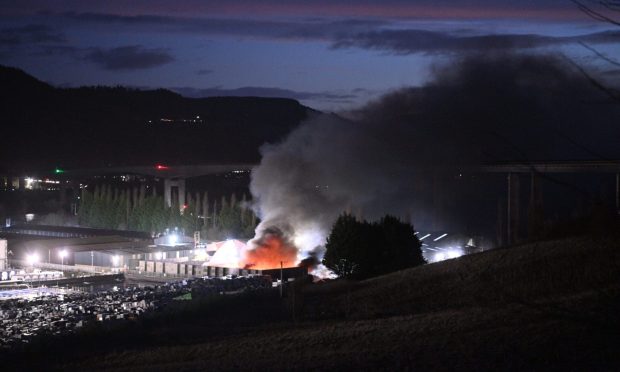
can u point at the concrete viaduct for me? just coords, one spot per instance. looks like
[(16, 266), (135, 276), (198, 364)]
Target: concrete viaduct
[(175, 176), (535, 170)]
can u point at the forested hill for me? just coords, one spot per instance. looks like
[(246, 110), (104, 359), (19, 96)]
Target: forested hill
[(44, 126)]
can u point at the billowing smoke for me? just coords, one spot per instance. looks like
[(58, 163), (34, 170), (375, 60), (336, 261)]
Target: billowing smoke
[(311, 261), (477, 110)]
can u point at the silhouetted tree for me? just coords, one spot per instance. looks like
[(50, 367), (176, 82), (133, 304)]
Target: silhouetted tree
[(606, 11), (359, 249), (345, 246), (399, 247)]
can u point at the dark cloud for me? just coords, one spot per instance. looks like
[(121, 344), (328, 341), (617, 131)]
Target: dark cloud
[(264, 92), (107, 18), (30, 34), (613, 73), (132, 57), (301, 29), (204, 72), (55, 49), (42, 40), (495, 9), (424, 41), (346, 33)]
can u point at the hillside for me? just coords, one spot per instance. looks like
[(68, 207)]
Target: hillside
[(530, 275), (550, 305), (95, 126)]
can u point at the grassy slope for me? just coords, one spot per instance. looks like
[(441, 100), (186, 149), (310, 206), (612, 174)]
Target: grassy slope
[(530, 275), (550, 305)]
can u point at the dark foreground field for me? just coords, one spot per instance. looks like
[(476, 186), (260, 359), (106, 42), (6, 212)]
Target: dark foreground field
[(547, 306)]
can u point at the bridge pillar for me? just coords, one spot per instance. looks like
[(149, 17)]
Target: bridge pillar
[(618, 193), (535, 212), (169, 185), (501, 215), (437, 201), (512, 215)]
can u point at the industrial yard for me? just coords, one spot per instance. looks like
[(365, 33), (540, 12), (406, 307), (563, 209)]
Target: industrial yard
[(31, 313), (435, 316)]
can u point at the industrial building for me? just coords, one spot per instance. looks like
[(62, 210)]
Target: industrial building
[(76, 249)]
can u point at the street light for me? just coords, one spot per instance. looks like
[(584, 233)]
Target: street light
[(62, 255)]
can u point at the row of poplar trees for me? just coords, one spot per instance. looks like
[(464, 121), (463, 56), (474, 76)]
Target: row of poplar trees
[(137, 209)]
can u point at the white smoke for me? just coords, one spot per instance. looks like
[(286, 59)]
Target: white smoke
[(325, 167), (476, 110)]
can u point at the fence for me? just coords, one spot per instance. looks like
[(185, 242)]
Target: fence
[(71, 268), (147, 274)]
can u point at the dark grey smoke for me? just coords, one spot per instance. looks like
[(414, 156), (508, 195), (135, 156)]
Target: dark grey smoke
[(477, 110)]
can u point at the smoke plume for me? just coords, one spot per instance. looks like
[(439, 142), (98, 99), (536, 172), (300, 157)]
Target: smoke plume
[(310, 262), (474, 111)]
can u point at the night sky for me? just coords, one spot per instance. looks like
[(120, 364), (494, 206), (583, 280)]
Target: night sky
[(330, 55)]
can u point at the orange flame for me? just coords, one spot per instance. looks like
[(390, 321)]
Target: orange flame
[(269, 250)]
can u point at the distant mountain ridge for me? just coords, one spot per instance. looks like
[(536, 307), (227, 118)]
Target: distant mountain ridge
[(43, 126)]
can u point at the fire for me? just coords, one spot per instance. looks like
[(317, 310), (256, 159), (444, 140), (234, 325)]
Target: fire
[(269, 250)]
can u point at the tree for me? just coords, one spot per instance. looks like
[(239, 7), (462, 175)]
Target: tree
[(349, 247), (133, 209), (86, 202), (605, 11), (400, 247), (359, 249)]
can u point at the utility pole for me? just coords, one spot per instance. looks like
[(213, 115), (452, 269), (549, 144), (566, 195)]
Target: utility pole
[(281, 277), (618, 193)]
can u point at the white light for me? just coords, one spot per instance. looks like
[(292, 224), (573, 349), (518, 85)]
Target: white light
[(158, 256), (425, 236), (173, 239), (439, 237), (454, 254), (29, 182), (115, 260), (439, 256), (32, 258), (63, 253)]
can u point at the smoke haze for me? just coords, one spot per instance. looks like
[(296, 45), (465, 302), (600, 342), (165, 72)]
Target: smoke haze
[(476, 110)]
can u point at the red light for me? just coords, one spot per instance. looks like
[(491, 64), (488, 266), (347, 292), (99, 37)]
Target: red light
[(184, 206), (161, 167)]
